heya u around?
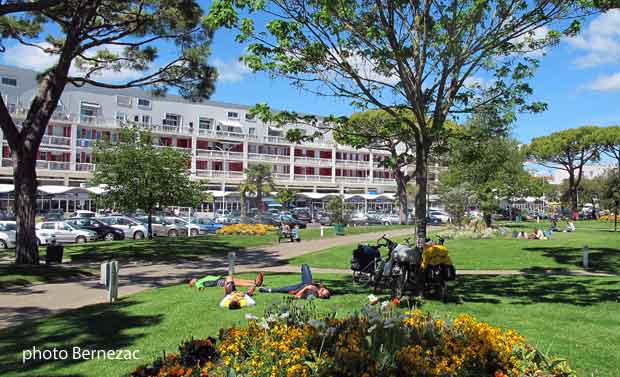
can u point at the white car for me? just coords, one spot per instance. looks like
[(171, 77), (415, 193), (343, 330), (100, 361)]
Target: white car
[(7, 236), (441, 215), (130, 227), (65, 233), (390, 219), (82, 213), (43, 237), (194, 229)]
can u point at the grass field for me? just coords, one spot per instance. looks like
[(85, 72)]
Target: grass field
[(563, 251), (574, 317)]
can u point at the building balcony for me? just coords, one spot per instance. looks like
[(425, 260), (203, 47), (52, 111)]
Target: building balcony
[(56, 140), (220, 174), (313, 161), (182, 149), (276, 140), (53, 165), (352, 179), (313, 178), (82, 166), (219, 155), (353, 164), (281, 176), (384, 181), (269, 157)]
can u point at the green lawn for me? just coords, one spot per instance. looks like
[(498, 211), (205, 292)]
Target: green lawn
[(563, 251), (574, 317), (15, 275)]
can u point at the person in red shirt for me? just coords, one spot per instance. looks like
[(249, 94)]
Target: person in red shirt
[(306, 289)]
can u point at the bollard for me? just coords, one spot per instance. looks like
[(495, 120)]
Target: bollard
[(109, 278), (322, 231), (231, 263), (584, 260)]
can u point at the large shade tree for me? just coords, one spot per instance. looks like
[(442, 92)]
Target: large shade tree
[(608, 139), (433, 58), (93, 37), (568, 150), (259, 176), (138, 175)]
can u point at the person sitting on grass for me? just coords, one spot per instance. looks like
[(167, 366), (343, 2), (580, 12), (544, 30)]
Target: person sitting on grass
[(306, 289), (570, 227)]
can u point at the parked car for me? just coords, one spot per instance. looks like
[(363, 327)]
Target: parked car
[(324, 218), (82, 214), (132, 228), (358, 218), (7, 236), (302, 214), (373, 219), (66, 233), (441, 215), (265, 218), (54, 216), (43, 237), (162, 227), (194, 229), (104, 231), (207, 225), (390, 219), (290, 220)]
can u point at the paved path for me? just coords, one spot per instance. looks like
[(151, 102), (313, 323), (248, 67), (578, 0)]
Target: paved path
[(37, 300)]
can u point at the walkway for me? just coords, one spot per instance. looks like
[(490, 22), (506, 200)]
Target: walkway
[(21, 303)]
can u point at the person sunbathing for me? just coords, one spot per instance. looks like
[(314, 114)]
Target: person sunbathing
[(305, 289), (220, 281), (234, 299)]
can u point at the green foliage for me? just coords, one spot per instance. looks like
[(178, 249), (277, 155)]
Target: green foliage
[(286, 197), (569, 150), (484, 157), (608, 139), (137, 175), (259, 178), (335, 205), (457, 201)]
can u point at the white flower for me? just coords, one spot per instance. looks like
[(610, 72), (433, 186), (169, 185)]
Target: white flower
[(263, 324), (284, 315), (372, 299), (372, 328), (272, 318), (385, 305), (250, 317), (316, 324)]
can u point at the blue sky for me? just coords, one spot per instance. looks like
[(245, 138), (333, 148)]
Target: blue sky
[(579, 80)]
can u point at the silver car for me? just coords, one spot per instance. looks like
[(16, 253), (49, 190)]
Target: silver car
[(194, 229), (132, 228), (163, 227), (65, 233)]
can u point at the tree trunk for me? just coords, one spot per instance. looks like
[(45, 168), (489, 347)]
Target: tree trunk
[(244, 209), (401, 193), (487, 219), (149, 225), (420, 198), (572, 189), (25, 176), (259, 197)]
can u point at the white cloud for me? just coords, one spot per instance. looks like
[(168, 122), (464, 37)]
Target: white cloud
[(536, 35), (606, 83), (233, 71), (34, 58), (600, 41)]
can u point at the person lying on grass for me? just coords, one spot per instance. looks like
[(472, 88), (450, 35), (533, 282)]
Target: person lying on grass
[(306, 289), (233, 299)]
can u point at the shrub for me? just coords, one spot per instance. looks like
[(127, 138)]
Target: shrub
[(246, 229), (378, 341)]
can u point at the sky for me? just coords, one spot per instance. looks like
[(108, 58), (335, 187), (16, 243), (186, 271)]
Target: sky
[(579, 80)]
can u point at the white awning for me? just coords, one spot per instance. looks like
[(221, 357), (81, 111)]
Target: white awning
[(4, 188), (315, 195), (221, 194), (230, 123)]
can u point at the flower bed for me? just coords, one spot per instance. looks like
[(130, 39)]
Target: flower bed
[(378, 341), (246, 229)]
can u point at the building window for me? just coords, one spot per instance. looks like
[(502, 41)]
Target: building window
[(11, 107), (89, 112), (205, 123), (172, 120), (9, 81), (233, 115), (121, 118), (249, 117), (252, 131), (144, 103), (146, 120), (123, 101)]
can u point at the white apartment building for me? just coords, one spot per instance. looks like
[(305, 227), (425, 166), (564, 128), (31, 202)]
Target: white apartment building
[(222, 138)]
